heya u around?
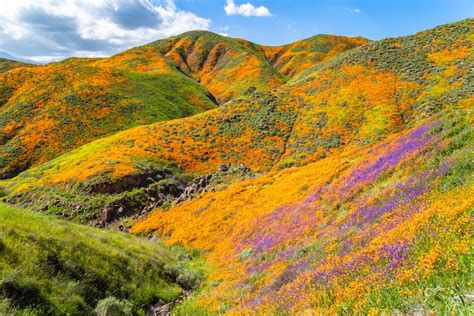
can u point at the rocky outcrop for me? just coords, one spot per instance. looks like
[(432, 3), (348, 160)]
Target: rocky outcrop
[(141, 201), (162, 309), (198, 185), (171, 190), (132, 196)]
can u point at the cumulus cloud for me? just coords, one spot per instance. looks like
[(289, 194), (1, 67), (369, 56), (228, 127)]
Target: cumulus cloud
[(46, 30), (246, 9)]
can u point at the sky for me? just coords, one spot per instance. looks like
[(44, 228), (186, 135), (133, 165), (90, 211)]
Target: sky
[(50, 30)]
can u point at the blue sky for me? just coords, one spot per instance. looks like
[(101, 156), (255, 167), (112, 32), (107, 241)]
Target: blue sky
[(48, 30), (298, 19)]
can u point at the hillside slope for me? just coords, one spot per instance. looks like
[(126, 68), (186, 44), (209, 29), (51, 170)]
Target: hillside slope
[(382, 228), (355, 98), (68, 269), (7, 64), (49, 110), (296, 57), (228, 67)]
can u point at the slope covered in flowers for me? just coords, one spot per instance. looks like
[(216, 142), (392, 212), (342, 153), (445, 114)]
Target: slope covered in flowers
[(228, 67), (296, 57), (51, 109), (7, 64), (362, 196), (385, 227), (359, 98)]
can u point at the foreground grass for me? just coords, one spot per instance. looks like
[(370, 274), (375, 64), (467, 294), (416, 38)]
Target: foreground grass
[(49, 266)]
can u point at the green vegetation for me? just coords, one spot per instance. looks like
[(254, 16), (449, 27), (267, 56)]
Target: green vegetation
[(54, 267)]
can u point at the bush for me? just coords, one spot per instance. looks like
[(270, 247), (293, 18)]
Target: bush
[(187, 280), (246, 254), (112, 306)]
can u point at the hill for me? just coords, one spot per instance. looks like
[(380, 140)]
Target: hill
[(355, 99), (49, 110), (5, 55), (228, 67), (69, 269), (296, 57), (7, 64)]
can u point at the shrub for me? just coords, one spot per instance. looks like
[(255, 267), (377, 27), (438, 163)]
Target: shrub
[(112, 306), (246, 253), (187, 280)]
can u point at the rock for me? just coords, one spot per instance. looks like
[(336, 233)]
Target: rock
[(224, 167), (243, 168)]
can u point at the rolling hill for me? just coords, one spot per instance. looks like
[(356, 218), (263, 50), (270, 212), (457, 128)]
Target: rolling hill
[(296, 57), (351, 100), (51, 109), (333, 181)]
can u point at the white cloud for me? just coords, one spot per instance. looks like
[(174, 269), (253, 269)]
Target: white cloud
[(246, 9), (54, 29)]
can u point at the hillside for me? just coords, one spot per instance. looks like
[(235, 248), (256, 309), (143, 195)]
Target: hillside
[(296, 57), (69, 269), (49, 110), (337, 180), (228, 67), (386, 227), (7, 64), (350, 100)]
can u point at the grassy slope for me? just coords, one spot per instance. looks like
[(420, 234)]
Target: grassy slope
[(358, 98), (227, 67), (383, 227), (54, 267)]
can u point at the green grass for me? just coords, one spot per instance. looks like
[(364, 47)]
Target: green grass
[(159, 98), (49, 266)]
